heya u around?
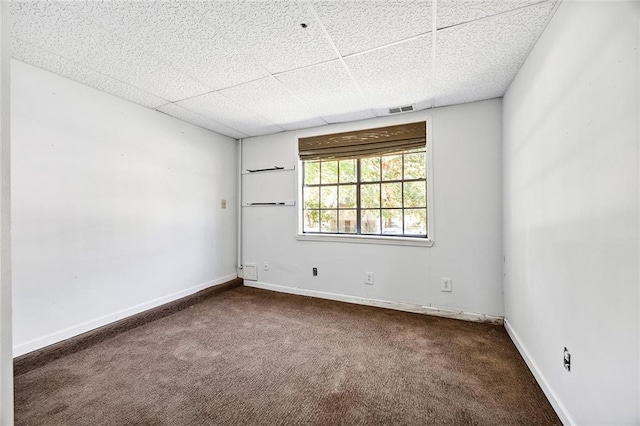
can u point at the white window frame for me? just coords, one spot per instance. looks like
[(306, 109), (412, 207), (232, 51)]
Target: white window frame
[(370, 239)]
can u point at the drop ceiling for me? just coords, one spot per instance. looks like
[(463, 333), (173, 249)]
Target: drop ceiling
[(248, 68)]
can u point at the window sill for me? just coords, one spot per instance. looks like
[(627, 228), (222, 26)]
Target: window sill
[(367, 239)]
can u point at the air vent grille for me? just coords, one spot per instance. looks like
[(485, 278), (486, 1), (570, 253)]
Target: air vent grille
[(397, 110)]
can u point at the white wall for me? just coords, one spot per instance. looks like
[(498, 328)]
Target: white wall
[(467, 157), (116, 208), (571, 210), (6, 358)]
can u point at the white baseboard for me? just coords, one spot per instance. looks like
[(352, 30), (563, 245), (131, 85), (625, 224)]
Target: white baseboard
[(559, 408), (76, 330), (406, 307)]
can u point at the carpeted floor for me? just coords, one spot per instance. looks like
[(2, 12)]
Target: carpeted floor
[(253, 357)]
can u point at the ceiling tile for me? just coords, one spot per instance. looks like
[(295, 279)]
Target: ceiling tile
[(274, 102), (355, 26), (396, 75), (56, 29), (223, 110), (328, 91), (58, 65), (478, 60), (152, 51), (174, 32), (269, 31), (191, 117), (454, 12), (346, 117)]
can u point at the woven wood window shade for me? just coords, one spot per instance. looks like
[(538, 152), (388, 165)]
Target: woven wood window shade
[(364, 143)]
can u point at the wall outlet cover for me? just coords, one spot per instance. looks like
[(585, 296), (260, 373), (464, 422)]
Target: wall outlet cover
[(368, 278)]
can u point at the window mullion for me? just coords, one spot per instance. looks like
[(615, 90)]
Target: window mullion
[(409, 187), (338, 201), (380, 195), (403, 181), (358, 207)]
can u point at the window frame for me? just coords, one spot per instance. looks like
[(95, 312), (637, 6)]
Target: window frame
[(368, 238)]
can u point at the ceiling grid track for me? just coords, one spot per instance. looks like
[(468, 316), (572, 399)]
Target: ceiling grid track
[(130, 43), (199, 115), (250, 110), (218, 90), (387, 45), (355, 60), (296, 97), (235, 44), (340, 57), (269, 75), (99, 72), (495, 15)]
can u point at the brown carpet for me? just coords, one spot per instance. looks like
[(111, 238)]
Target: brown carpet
[(253, 357)]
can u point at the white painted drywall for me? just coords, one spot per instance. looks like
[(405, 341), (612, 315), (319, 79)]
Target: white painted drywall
[(571, 210), (467, 158), (6, 358), (116, 208)]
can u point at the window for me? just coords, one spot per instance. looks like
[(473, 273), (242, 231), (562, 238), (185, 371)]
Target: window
[(376, 188)]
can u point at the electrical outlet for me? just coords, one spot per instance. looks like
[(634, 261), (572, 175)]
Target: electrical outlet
[(368, 278), (446, 284), (567, 359), (315, 271), (265, 266)]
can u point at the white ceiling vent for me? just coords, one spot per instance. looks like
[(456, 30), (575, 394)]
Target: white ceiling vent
[(398, 110)]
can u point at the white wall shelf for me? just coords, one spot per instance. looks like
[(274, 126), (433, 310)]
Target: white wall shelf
[(267, 169), (269, 204), (268, 186)]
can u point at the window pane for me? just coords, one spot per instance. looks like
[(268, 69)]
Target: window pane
[(370, 195), (347, 171), (347, 196), (329, 172), (311, 197), (347, 222), (414, 166), (370, 220), (311, 221), (328, 220), (415, 194), (392, 167), (415, 222), (329, 197), (370, 169), (392, 195), (392, 222), (311, 172), (334, 193)]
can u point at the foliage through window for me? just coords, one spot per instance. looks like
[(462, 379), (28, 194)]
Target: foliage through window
[(379, 195)]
